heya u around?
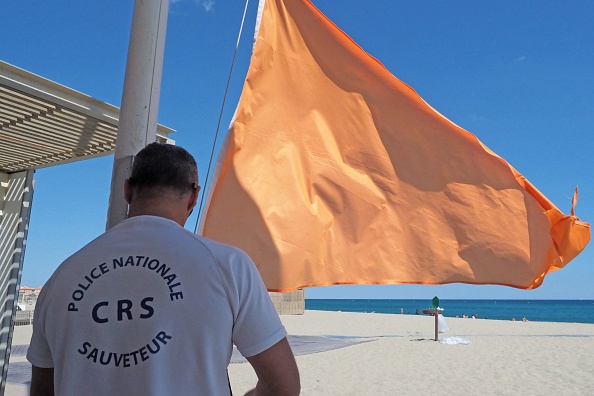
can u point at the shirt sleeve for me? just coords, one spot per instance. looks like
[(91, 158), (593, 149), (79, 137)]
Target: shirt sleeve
[(257, 325), (39, 353)]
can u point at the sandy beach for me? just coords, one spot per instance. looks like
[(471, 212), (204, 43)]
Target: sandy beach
[(382, 354)]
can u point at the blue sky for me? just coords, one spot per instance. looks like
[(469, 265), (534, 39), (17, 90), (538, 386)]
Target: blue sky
[(516, 74)]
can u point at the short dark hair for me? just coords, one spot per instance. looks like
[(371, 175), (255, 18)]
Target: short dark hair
[(163, 166)]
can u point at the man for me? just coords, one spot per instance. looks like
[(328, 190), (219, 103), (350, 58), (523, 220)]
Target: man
[(149, 308)]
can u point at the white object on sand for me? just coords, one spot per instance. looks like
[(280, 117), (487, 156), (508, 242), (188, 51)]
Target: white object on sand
[(455, 341)]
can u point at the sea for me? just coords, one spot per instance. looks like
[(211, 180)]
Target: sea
[(571, 311)]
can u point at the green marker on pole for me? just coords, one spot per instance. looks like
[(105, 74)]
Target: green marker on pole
[(435, 302)]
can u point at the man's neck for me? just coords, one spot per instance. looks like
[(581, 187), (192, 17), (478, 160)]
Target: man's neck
[(159, 208)]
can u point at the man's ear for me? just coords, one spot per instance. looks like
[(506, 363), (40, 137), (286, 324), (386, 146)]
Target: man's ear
[(127, 191), (193, 198)]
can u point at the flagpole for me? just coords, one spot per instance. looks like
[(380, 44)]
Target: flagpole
[(140, 97)]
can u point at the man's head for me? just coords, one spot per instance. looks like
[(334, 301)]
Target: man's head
[(164, 177)]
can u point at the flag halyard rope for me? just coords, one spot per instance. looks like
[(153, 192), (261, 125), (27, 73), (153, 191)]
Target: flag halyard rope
[(220, 118)]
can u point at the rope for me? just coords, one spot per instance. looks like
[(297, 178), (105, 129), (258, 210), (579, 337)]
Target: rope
[(220, 118)]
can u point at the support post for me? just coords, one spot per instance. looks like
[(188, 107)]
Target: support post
[(140, 97), (16, 195)]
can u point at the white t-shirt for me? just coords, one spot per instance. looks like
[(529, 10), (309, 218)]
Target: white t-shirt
[(149, 308)]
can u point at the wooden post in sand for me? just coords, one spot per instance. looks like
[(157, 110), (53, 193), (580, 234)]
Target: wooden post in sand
[(435, 312), (436, 326), (435, 305)]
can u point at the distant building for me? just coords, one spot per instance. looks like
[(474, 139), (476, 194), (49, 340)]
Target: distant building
[(28, 298)]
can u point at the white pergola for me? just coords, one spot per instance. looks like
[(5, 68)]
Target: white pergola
[(42, 124)]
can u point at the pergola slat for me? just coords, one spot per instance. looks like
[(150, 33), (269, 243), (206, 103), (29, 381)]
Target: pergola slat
[(43, 123)]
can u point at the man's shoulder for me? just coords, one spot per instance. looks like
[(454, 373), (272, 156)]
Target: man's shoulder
[(218, 249)]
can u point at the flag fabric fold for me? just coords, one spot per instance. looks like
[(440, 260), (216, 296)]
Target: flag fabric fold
[(336, 172)]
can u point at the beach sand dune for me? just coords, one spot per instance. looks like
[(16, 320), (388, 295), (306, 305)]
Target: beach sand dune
[(341, 353)]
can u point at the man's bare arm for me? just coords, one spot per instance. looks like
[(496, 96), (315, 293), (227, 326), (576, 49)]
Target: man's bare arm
[(42, 381), (276, 370)]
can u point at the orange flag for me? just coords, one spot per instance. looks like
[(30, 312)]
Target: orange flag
[(336, 172)]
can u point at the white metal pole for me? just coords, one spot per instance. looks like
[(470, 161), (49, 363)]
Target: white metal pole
[(140, 97)]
